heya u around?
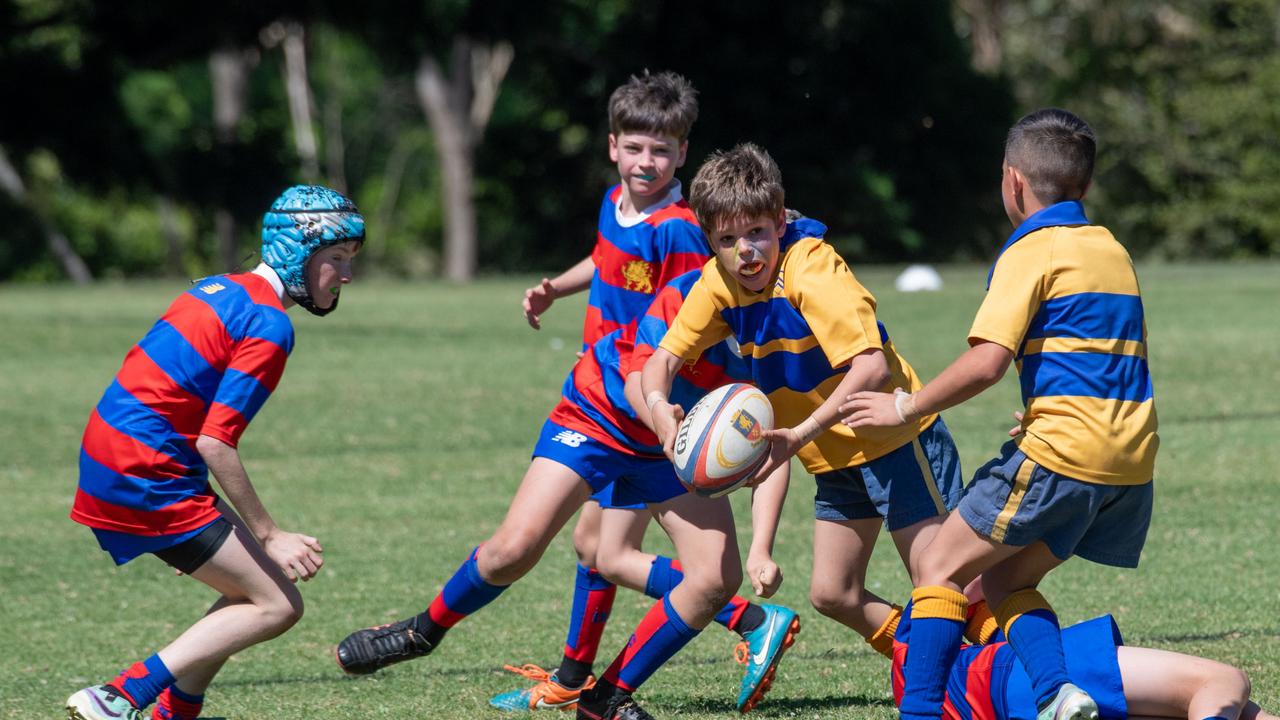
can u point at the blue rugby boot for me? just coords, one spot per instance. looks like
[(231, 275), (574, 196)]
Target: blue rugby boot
[(761, 649)]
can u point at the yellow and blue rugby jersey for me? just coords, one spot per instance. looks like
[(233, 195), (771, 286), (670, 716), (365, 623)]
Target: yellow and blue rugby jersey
[(1063, 296), (798, 336)]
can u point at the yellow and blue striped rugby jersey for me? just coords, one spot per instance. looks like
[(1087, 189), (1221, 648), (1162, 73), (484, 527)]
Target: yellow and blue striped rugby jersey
[(1063, 296), (798, 336)]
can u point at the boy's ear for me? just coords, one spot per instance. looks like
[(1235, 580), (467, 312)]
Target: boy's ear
[(684, 153), (1087, 186), (613, 148), (782, 222)]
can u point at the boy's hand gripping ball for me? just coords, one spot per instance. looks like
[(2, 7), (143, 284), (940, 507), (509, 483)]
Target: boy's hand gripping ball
[(719, 445)]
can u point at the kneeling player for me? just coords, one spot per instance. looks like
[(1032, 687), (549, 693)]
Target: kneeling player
[(988, 682)]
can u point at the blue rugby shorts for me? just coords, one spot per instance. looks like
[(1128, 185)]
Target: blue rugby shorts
[(617, 480)]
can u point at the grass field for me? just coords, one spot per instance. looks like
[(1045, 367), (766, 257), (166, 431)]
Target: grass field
[(405, 421)]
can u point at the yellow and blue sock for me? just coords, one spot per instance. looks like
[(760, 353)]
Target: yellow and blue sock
[(882, 639), (1033, 632), (980, 626), (142, 682), (937, 623)]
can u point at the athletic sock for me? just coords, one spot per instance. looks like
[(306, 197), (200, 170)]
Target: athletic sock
[(937, 621), (980, 626), (882, 639), (465, 593), (173, 704), (1033, 632), (592, 600), (142, 682), (661, 634), (665, 573)]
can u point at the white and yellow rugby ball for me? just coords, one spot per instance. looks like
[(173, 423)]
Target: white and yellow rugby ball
[(719, 445)]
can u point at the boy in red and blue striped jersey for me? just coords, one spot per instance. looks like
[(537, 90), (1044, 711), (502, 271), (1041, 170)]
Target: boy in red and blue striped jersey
[(1063, 302), (593, 441), (173, 415)]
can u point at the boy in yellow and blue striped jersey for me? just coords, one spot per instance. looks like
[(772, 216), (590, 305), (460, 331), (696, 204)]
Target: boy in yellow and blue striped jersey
[(808, 331), (1063, 302)]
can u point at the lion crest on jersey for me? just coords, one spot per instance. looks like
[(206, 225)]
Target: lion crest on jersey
[(638, 274)]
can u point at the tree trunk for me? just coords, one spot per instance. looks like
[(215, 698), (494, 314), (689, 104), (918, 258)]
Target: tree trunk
[(986, 23), (458, 108), (72, 264), (172, 235), (300, 100), (229, 71)]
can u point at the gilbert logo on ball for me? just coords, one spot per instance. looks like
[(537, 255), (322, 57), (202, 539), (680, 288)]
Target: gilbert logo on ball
[(720, 443)]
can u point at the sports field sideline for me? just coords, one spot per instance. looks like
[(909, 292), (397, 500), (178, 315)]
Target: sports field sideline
[(406, 422)]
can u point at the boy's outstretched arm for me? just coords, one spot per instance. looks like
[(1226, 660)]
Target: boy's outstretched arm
[(766, 507), (539, 297), (655, 381), (867, 369), (980, 367), (297, 555)]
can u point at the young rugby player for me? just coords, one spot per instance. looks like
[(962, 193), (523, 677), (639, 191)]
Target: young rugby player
[(601, 380), (174, 413), (646, 235), (989, 682), (1063, 301), (810, 333), (593, 440)]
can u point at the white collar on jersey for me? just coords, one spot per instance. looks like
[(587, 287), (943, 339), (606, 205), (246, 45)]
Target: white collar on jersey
[(264, 270), (673, 196)]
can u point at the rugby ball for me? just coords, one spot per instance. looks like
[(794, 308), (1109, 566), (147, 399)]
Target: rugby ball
[(719, 445)]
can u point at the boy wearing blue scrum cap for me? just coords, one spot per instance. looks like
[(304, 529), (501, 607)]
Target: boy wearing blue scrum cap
[(1063, 302), (174, 414)]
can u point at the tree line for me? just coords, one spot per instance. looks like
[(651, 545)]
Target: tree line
[(144, 139)]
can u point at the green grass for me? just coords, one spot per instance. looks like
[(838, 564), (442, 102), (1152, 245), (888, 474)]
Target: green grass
[(405, 421)]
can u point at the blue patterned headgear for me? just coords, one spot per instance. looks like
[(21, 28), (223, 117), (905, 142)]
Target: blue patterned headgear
[(300, 222)]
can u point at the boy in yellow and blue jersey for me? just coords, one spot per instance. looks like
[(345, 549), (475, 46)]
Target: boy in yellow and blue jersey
[(809, 333), (1063, 302)]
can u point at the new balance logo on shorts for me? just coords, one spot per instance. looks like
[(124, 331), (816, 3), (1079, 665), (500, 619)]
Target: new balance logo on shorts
[(570, 438)]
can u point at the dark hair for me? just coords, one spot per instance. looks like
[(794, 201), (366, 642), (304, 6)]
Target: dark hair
[(740, 183), (1054, 149), (662, 104)]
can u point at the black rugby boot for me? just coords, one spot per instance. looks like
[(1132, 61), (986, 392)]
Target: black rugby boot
[(371, 649)]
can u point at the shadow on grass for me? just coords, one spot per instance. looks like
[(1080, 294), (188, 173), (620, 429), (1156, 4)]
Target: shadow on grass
[(1225, 635), (783, 707)]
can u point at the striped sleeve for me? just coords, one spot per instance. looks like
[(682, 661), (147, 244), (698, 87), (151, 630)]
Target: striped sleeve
[(697, 326), (1017, 288), (252, 374)]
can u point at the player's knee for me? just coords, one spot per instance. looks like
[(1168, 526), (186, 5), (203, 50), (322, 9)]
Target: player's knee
[(281, 613), (508, 557), (933, 568), (586, 544), (830, 601)]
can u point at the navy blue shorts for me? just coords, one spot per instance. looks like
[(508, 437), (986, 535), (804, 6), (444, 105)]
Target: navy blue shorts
[(1015, 501), (617, 480), (919, 480)]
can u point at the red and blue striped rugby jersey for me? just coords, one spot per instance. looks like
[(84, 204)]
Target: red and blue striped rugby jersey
[(205, 368), (593, 401), (636, 257)]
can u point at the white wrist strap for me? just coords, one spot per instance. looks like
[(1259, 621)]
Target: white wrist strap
[(654, 397), (808, 430), (905, 404)]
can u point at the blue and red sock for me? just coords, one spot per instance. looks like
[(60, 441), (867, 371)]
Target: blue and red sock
[(465, 593), (592, 601), (142, 682), (1034, 634), (660, 634), (174, 704), (937, 622), (665, 574)]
